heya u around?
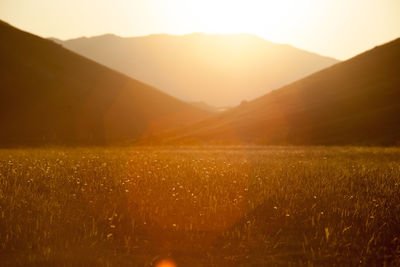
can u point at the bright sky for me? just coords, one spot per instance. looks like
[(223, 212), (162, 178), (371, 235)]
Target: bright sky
[(337, 28)]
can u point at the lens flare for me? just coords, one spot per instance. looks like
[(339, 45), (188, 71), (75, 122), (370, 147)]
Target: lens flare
[(166, 263)]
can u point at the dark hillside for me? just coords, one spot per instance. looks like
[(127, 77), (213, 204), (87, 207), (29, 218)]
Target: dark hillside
[(353, 102), (50, 95)]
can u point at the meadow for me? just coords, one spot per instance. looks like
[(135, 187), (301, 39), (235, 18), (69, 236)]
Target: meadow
[(200, 206)]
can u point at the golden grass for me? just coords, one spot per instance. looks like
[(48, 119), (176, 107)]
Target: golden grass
[(214, 206)]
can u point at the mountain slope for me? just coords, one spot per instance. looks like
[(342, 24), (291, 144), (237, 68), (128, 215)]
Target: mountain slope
[(353, 102), (221, 70), (50, 95)]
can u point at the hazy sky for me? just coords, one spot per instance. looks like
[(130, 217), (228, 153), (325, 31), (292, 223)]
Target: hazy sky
[(338, 28)]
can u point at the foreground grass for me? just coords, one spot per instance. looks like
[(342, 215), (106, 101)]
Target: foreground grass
[(200, 206)]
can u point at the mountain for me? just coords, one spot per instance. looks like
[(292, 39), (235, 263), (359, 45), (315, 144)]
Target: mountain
[(50, 95), (220, 70), (353, 102), (206, 107)]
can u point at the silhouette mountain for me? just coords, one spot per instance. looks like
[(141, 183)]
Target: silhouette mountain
[(218, 69), (353, 102), (50, 95)]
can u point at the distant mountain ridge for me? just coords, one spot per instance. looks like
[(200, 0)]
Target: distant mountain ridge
[(52, 96), (218, 69), (355, 102)]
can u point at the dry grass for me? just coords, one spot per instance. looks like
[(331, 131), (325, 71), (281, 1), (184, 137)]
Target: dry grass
[(219, 206)]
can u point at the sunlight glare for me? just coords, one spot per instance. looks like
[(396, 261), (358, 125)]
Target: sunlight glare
[(260, 17)]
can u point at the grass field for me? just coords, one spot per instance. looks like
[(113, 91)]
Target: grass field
[(214, 206)]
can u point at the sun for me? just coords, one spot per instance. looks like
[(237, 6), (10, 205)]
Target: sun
[(270, 18)]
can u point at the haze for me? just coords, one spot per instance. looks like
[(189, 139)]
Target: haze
[(340, 29), (199, 133)]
